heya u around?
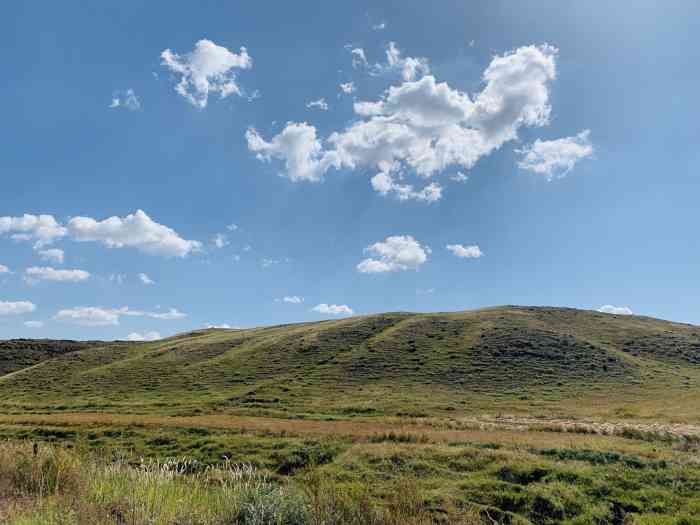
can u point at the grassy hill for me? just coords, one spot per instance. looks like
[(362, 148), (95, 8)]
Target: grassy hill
[(17, 354), (532, 359), (389, 419)]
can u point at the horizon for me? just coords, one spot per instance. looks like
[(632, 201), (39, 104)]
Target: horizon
[(347, 318), (242, 166)]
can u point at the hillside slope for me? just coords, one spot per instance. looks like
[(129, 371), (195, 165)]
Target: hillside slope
[(16, 354), (512, 358)]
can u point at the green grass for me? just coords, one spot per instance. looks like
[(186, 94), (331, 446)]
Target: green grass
[(97, 473), (340, 418), (511, 358)]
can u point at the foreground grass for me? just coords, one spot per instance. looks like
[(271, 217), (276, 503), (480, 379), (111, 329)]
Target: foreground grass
[(121, 475), (53, 485)]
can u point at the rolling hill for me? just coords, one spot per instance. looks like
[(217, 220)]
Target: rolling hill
[(536, 359)]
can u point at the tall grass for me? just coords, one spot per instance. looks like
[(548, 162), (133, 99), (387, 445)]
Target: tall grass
[(55, 486)]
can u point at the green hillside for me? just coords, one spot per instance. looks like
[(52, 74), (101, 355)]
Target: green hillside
[(533, 359)]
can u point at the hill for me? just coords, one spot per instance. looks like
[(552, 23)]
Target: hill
[(515, 359), (16, 354)]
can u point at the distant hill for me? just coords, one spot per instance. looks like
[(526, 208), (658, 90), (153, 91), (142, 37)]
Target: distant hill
[(504, 358), (17, 354)]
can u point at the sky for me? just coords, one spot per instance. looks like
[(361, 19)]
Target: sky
[(166, 168)]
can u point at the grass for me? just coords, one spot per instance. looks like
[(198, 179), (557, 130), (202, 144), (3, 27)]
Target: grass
[(536, 361), (511, 415), (138, 476)]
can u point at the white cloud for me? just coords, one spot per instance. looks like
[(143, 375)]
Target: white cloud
[(383, 183), (379, 27), (556, 158), (395, 253), (88, 316), (465, 252), (459, 177), (209, 68), (410, 67), (359, 59), (4, 269), (318, 104), (145, 279), (97, 316), (137, 230), (292, 299), (171, 315), (347, 87), (617, 310), (232, 227), (298, 146), (222, 326), (43, 229), (333, 309), (54, 255), (145, 336), (220, 240), (423, 126), (34, 324), (126, 99), (47, 273), (16, 308)]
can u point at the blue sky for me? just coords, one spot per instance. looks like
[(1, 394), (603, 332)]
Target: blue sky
[(574, 125)]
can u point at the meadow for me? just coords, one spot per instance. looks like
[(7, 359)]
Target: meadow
[(512, 415)]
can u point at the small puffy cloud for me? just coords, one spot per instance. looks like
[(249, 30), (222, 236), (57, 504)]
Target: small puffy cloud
[(379, 27), (54, 255), (465, 252), (90, 316), (171, 315), (298, 146), (384, 184), (232, 227), (333, 309), (318, 104), (34, 324), (209, 68), (292, 299), (220, 240), (42, 229), (145, 336), (395, 253), (97, 316), (616, 310), (410, 67), (459, 177), (16, 308), (347, 87), (47, 273), (556, 158), (145, 279), (4, 269), (219, 326), (359, 59), (136, 230), (125, 99)]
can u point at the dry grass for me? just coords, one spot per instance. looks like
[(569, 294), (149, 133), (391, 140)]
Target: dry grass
[(54, 486)]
